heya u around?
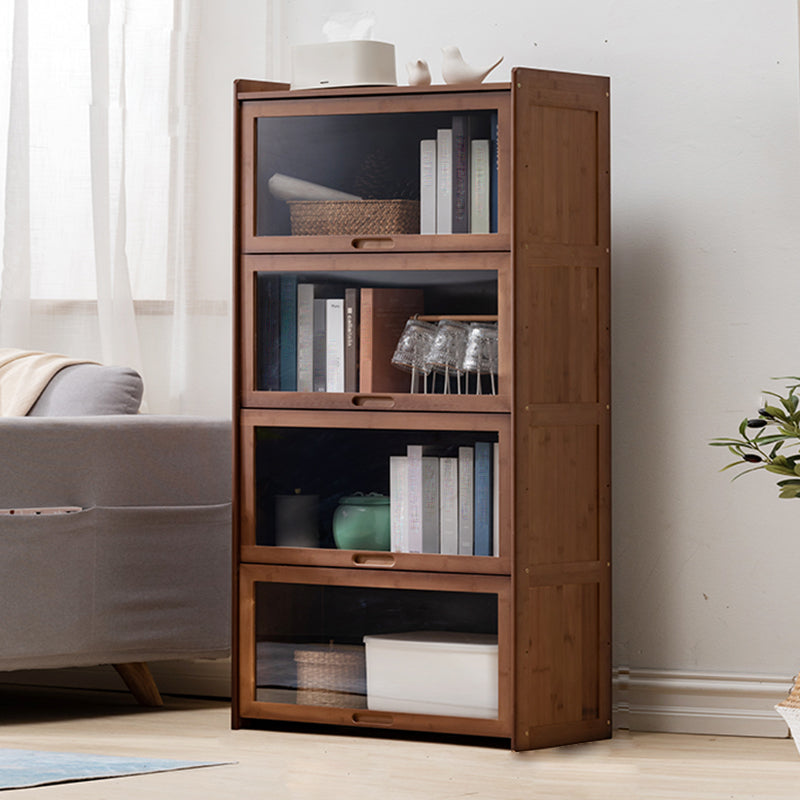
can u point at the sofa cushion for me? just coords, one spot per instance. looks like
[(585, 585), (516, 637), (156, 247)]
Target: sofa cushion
[(89, 390)]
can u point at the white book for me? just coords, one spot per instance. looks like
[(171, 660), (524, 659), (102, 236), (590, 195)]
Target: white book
[(448, 506), (427, 186), (398, 503), (479, 186), (305, 337), (466, 500), (334, 345), (414, 497), (496, 501), (444, 180)]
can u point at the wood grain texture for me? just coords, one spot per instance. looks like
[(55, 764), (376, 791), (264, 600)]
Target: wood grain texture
[(561, 408)]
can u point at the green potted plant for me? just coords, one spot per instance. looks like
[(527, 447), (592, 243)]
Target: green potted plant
[(765, 442)]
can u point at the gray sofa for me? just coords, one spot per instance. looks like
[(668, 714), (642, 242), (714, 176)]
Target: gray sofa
[(140, 571)]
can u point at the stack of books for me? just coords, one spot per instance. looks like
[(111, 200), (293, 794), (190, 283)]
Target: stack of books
[(325, 337), (445, 503), (458, 177)]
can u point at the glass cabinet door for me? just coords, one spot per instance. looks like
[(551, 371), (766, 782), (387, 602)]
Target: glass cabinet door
[(376, 651), (369, 497), (439, 334), (337, 168)]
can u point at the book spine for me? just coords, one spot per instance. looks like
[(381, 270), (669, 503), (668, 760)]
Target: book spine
[(268, 315), (479, 186), (461, 174), (305, 337), (319, 346), (466, 500), (288, 382), (398, 503), (427, 186), (483, 499), (448, 505), (496, 499), (334, 345), (430, 504), (444, 180), (414, 504), (351, 297), (494, 155)]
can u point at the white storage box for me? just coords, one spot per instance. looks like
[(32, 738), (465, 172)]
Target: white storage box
[(433, 672), (356, 63)]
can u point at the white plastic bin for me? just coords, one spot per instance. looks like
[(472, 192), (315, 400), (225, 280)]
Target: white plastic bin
[(433, 672)]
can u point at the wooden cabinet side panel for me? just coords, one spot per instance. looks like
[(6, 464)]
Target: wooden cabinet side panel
[(559, 334), (561, 158), (562, 577), (558, 519)]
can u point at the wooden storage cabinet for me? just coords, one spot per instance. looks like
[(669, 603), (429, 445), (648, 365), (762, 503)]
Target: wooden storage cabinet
[(541, 274)]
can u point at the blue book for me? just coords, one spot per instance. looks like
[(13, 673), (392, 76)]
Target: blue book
[(484, 517), (288, 300)]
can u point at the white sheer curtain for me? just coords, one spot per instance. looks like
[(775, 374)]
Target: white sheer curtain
[(96, 175)]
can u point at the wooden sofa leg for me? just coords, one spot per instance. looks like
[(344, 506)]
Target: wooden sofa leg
[(139, 680)]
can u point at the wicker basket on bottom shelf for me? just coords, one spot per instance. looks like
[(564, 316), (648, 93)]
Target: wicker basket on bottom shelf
[(331, 675), (789, 709), (353, 217)]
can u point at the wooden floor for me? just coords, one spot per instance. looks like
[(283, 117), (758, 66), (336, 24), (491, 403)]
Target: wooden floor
[(279, 765)]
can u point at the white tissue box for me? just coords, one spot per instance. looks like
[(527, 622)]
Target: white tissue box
[(356, 63)]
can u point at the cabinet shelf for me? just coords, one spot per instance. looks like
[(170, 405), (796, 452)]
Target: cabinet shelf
[(318, 430)]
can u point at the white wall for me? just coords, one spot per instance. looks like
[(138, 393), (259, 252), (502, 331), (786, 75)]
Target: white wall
[(706, 234)]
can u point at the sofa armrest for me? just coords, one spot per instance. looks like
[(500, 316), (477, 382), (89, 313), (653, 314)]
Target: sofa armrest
[(125, 460)]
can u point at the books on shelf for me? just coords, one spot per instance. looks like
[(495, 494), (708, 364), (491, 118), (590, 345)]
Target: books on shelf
[(444, 180), (268, 321), (288, 332), (458, 177), (466, 500), (311, 324), (351, 317), (427, 186), (479, 186), (334, 344), (483, 497), (422, 501), (448, 505), (398, 503), (445, 504)]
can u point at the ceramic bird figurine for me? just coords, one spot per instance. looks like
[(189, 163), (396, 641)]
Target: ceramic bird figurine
[(418, 73), (456, 70)]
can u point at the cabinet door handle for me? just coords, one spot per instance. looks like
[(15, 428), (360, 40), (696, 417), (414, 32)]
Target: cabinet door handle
[(373, 401), (371, 718), (373, 559), (373, 243)]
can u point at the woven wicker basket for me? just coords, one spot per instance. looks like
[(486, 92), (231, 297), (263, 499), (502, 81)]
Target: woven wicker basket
[(353, 217), (789, 709), (332, 675)]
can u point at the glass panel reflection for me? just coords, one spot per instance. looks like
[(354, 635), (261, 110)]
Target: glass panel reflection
[(396, 650)]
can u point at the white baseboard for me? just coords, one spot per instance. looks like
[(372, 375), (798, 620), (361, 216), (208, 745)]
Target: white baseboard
[(667, 701), (193, 678), (672, 701)]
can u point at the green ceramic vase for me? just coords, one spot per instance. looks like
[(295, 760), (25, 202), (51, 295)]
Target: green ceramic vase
[(362, 522)]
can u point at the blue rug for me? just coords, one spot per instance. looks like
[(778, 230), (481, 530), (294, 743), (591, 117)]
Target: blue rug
[(25, 768)]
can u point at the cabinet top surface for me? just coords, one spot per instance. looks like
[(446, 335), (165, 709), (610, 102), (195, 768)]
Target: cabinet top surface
[(247, 89), (260, 90)]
